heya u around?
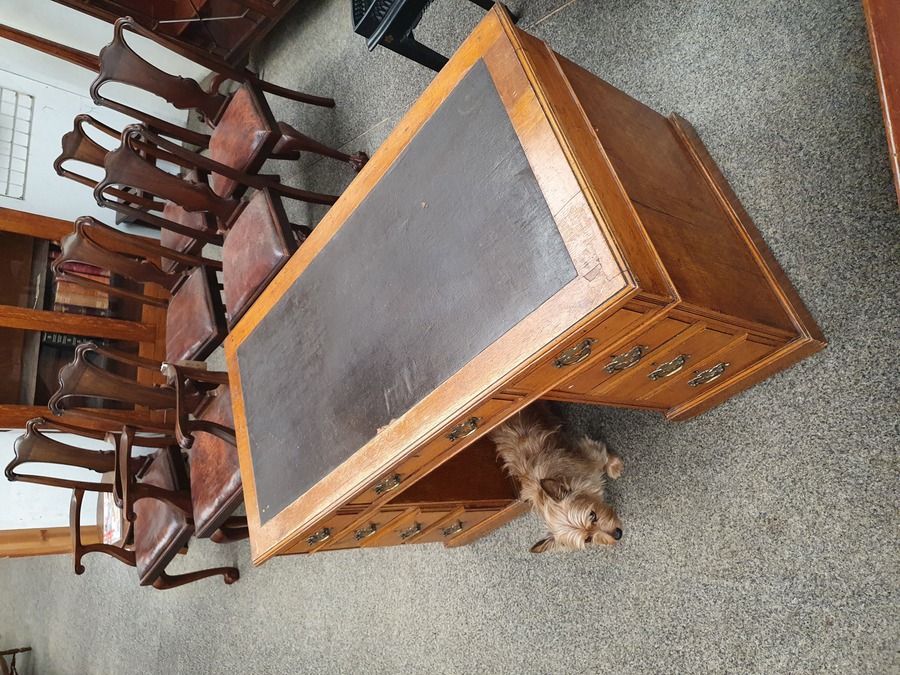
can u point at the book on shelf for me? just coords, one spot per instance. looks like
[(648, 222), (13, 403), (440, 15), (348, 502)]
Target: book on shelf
[(84, 311), (83, 269), (71, 293), (52, 339)]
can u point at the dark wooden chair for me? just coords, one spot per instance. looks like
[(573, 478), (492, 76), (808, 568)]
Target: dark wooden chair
[(119, 63), (259, 243), (390, 23), (78, 146), (195, 319), (216, 487), (90, 375), (133, 165), (159, 533), (94, 243), (36, 446), (178, 227)]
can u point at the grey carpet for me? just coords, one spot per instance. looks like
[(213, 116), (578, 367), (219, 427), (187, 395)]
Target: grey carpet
[(760, 538)]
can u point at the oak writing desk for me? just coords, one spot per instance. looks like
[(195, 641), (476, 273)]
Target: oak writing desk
[(526, 231)]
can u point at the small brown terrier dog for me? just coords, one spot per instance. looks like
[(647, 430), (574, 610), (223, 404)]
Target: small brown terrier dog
[(563, 479)]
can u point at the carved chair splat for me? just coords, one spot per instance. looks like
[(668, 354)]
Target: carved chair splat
[(83, 378), (37, 447)]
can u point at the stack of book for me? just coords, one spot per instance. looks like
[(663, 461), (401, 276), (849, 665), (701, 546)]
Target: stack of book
[(74, 298)]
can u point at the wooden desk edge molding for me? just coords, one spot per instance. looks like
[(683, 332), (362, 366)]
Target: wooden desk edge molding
[(631, 202)]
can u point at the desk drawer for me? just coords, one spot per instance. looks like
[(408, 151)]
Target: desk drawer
[(325, 532), (408, 529), (583, 349), (368, 529), (718, 367), (455, 435), (454, 524), (671, 360), (616, 363)]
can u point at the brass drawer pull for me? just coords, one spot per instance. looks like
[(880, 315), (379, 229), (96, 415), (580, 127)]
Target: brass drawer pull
[(453, 529), (670, 368), (318, 537), (368, 532), (626, 360), (575, 354), (706, 376), (463, 429), (410, 531), (388, 484)]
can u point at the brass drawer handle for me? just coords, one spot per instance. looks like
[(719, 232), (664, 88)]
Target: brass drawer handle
[(626, 360), (706, 376), (368, 532), (319, 536), (453, 529), (410, 531), (670, 368), (388, 484), (463, 429), (575, 354)]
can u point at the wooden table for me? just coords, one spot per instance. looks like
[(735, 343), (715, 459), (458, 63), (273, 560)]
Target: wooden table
[(526, 231)]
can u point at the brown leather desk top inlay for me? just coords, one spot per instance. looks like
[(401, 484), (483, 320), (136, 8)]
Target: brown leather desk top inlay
[(453, 247)]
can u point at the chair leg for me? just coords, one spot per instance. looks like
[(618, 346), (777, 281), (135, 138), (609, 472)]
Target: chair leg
[(418, 52), (292, 142), (295, 95), (234, 529), (167, 581)]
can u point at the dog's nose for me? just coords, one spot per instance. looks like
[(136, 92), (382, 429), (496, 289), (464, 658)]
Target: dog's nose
[(617, 534)]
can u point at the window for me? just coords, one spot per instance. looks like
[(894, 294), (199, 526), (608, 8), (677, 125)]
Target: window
[(16, 110)]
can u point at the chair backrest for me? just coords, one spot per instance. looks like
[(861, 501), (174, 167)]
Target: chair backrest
[(120, 63), (93, 243), (84, 378), (35, 446), (78, 146), (133, 165)]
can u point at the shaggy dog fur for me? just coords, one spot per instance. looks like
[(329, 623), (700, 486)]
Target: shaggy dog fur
[(563, 479)]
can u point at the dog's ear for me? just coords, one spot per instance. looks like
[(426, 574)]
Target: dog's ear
[(544, 545), (556, 489)]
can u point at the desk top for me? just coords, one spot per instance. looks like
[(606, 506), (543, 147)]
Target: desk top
[(451, 248), (463, 252)]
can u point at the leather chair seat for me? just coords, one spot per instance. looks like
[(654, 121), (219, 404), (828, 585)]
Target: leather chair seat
[(263, 228), (195, 320), (242, 139), (216, 488), (160, 531)]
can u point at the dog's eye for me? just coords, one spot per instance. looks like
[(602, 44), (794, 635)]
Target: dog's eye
[(593, 516), (588, 540)]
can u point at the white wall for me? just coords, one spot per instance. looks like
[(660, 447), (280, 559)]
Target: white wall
[(26, 505)]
